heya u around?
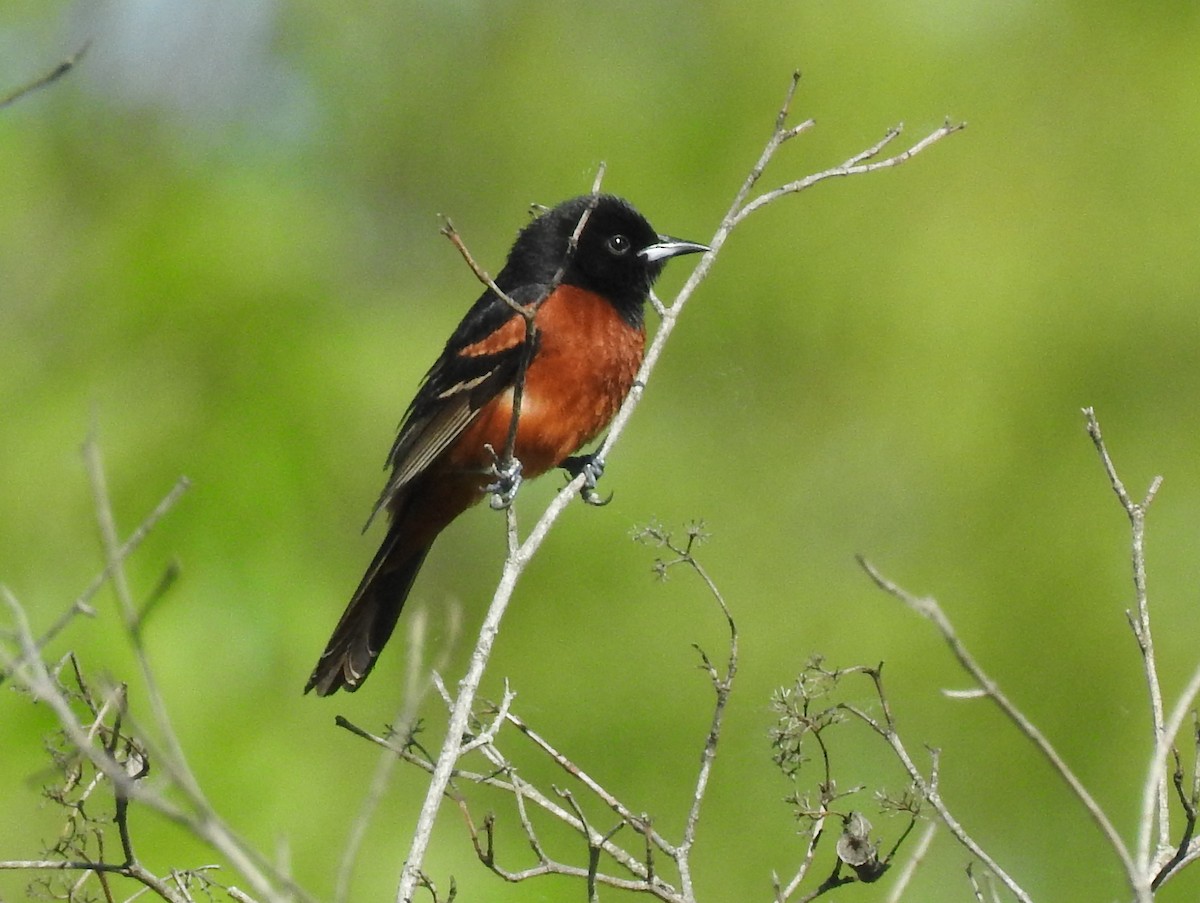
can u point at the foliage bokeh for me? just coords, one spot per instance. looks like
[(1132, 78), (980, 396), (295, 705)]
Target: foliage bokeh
[(219, 252)]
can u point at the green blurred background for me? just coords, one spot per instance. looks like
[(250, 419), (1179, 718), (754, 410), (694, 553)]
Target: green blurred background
[(219, 250)]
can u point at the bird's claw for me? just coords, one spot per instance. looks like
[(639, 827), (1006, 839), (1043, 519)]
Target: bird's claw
[(592, 468), (503, 490)]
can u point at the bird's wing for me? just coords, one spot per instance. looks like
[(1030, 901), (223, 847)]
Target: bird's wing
[(479, 362)]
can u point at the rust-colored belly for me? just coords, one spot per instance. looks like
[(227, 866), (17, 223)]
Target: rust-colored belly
[(586, 362)]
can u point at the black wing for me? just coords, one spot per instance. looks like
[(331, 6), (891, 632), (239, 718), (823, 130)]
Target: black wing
[(480, 361)]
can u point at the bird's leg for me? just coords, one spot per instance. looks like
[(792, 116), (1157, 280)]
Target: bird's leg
[(507, 473), (592, 468)]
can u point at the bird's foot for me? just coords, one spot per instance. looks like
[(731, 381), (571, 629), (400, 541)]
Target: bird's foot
[(592, 468), (503, 489)]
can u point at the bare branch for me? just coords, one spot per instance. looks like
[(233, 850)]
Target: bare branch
[(914, 862), (1139, 622), (723, 687), (1152, 877), (82, 605), (45, 80), (639, 822), (456, 239), (404, 725), (929, 609), (856, 165)]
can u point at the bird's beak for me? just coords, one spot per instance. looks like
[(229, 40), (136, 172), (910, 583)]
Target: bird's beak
[(666, 248)]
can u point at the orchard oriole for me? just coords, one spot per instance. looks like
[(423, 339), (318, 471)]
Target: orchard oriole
[(585, 267)]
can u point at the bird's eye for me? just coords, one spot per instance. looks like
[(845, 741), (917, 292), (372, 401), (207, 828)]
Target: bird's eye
[(617, 245)]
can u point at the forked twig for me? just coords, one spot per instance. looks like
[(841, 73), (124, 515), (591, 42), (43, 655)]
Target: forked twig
[(1139, 623), (27, 666), (928, 608), (1151, 864)]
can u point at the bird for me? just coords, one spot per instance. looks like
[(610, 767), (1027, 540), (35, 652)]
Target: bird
[(584, 269)]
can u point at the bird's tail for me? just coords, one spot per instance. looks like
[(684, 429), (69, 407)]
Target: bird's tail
[(369, 619)]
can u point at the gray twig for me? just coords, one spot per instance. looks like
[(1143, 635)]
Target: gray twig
[(47, 79)]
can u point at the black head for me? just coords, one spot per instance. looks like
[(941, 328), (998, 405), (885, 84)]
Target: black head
[(619, 254)]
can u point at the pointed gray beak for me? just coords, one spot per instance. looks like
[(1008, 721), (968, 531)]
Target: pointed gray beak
[(667, 247)]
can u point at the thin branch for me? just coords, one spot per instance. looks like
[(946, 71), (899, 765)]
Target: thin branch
[(48, 79), (1139, 622), (976, 890), (1152, 877), (129, 612), (525, 791), (723, 687), (643, 872), (82, 605), (518, 557), (914, 862), (645, 878), (1188, 849), (417, 687), (854, 166), (640, 824), (34, 676), (815, 833), (175, 761), (1149, 868), (203, 823), (928, 608), (926, 787), (737, 212), (132, 871), (481, 274)]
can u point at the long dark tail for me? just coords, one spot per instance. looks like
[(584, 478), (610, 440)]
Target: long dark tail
[(369, 619)]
